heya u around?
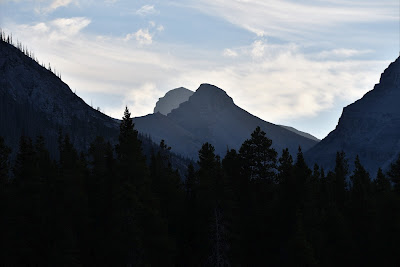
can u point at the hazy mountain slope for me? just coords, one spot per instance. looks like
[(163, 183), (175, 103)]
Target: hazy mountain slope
[(172, 100), (210, 115), (304, 134), (370, 127)]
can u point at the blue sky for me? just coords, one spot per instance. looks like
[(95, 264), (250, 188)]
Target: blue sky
[(288, 62)]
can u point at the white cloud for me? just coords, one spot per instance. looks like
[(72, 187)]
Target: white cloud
[(257, 50), (41, 27), (70, 26), (55, 4), (142, 36), (146, 10), (59, 3), (229, 53), (58, 29)]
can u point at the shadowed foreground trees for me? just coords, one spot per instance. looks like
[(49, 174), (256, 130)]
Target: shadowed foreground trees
[(109, 208)]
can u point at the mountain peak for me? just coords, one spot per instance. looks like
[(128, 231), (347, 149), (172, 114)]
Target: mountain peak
[(172, 100), (390, 78), (212, 95)]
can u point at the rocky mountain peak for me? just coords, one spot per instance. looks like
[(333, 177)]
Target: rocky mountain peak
[(391, 76), (212, 96), (172, 100)]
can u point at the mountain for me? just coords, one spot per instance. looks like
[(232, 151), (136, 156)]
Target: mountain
[(34, 101), (304, 134), (370, 127), (172, 100), (210, 115)]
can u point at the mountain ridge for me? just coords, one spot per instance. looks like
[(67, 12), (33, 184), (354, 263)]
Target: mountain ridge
[(210, 115), (369, 127)]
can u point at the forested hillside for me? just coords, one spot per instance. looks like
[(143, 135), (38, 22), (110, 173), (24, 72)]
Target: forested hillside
[(107, 207)]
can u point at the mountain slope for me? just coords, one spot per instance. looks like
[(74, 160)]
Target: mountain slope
[(304, 134), (34, 101), (370, 127), (172, 100), (210, 115)]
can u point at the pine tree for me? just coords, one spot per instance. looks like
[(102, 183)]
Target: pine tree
[(361, 184), (258, 158), (339, 179), (285, 167)]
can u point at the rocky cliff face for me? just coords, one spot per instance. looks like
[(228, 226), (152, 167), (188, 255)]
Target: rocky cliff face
[(370, 127), (172, 100), (210, 115)]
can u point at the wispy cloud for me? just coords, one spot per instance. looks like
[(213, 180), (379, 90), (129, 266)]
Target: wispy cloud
[(146, 10), (53, 5), (70, 26), (284, 18), (229, 53)]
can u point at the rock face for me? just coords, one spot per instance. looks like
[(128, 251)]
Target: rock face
[(172, 100), (370, 127), (210, 115)]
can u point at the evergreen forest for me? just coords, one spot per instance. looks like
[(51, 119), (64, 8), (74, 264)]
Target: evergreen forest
[(110, 206)]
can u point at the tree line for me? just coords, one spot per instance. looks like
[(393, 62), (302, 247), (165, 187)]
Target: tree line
[(24, 49), (108, 207)]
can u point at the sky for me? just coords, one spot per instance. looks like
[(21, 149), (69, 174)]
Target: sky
[(291, 62)]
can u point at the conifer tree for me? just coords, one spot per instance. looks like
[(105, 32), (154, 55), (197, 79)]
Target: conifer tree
[(258, 158), (361, 184), (339, 179), (285, 167)]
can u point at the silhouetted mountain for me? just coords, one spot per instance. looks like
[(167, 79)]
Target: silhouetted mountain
[(172, 100), (210, 115), (307, 135), (34, 101), (370, 127)]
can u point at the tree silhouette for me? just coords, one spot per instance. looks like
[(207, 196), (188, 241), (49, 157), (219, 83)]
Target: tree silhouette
[(259, 159)]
